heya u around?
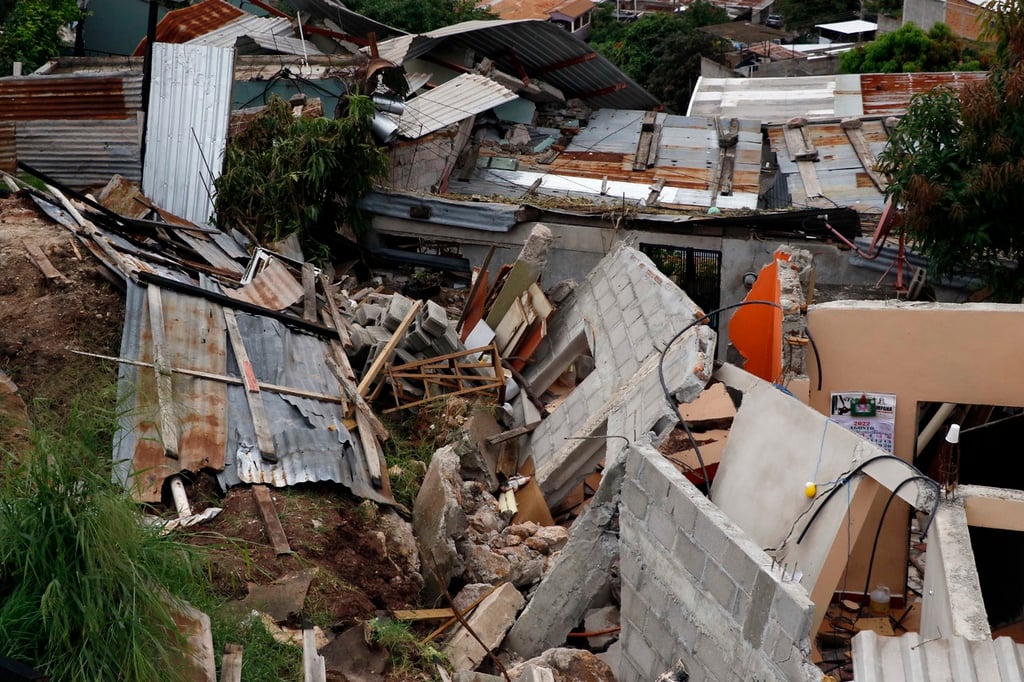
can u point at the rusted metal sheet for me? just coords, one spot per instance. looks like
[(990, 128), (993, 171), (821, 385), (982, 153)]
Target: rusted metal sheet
[(8, 156), (890, 94), (70, 97), (274, 287), (183, 25), (82, 153)]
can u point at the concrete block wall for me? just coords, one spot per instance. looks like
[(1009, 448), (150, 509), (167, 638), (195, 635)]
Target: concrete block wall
[(421, 165), (627, 311), (696, 588)]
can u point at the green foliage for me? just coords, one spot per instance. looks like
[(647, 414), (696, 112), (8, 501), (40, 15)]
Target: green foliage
[(404, 648), (287, 175), (30, 31), (660, 51), (908, 50), (957, 168), (420, 16), (83, 583)]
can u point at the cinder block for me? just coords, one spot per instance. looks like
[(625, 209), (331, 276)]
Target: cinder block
[(761, 598), (719, 585), (741, 566), (415, 339), (634, 610), (793, 618), (684, 513), (718, 657), (433, 319), (447, 343), (635, 499), (662, 527), (368, 314), (395, 312), (641, 653), (710, 535), (361, 339), (654, 480), (690, 555)]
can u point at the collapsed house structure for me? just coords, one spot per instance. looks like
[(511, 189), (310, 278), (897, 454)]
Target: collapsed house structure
[(243, 362)]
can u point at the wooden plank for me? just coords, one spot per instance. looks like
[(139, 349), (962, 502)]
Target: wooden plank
[(452, 621), (199, 374), (371, 449), (314, 666), (511, 433), (479, 283), (231, 664), (339, 322), (385, 354), (116, 260), (423, 614), (519, 279), (812, 188), (308, 292), (164, 387), (275, 531), (264, 438), (51, 273), (867, 159)]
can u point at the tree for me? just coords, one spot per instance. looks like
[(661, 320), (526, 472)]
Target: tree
[(957, 169), (660, 51), (909, 50), (286, 175), (420, 16), (30, 32)]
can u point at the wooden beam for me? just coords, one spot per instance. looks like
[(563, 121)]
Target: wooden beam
[(339, 322), (267, 510), (371, 449), (231, 664), (866, 157), (511, 433), (308, 292), (385, 354), (51, 273), (164, 387), (264, 438), (314, 666), (423, 614), (199, 374)]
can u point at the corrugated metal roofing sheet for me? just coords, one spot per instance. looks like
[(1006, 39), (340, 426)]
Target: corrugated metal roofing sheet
[(187, 23), (275, 44), (775, 100), (67, 97), (8, 157), (598, 163), (82, 153), (451, 102), (478, 215), (908, 658), (537, 46), (268, 34), (189, 105)]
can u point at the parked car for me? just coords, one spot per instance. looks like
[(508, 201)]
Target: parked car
[(774, 21)]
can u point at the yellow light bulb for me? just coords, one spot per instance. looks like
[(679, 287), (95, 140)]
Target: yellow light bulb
[(810, 489)]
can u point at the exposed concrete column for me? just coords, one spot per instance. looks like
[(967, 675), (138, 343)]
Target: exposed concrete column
[(953, 604)]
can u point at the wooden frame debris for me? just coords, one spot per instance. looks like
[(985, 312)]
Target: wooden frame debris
[(477, 371), (275, 531)]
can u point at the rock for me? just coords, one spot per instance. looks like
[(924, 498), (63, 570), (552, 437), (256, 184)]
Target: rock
[(604, 618), (350, 655), (678, 673), (537, 545), (438, 522), (524, 530), (476, 677), (484, 565), (566, 665), (555, 537), (401, 543), (527, 573), (535, 249), (469, 594), (491, 620)]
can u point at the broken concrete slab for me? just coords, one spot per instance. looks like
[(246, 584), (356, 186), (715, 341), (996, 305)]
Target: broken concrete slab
[(712, 409), (438, 521), (491, 620), (280, 599), (600, 620), (580, 572), (563, 665), (467, 676)]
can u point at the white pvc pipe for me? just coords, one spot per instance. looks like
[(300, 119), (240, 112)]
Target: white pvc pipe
[(180, 498)]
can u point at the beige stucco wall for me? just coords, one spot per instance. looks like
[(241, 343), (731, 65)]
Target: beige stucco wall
[(934, 352)]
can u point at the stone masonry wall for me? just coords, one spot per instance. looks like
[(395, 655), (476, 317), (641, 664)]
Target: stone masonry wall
[(695, 588)]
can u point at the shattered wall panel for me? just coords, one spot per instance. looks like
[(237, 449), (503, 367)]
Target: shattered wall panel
[(189, 105)]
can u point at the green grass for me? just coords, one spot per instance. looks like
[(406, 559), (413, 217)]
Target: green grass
[(84, 586), (407, 653)]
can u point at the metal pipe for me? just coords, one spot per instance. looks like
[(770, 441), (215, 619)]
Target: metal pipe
[(933, 426), (180, 498)]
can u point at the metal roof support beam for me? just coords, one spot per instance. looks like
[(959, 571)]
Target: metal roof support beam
[(603, 91), (565, 63), (520, 70)]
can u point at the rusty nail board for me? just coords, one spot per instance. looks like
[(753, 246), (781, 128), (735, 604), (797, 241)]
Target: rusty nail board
[(275, 531), (264, 439)]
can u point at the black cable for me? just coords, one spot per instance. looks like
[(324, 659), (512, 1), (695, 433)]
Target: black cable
[(817, 356), (857, 469), (673, 406), (878, 531)]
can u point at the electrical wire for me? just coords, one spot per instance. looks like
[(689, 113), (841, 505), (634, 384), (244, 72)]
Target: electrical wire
[(673, 406), (817, 356), (878, 531), (846, 479)]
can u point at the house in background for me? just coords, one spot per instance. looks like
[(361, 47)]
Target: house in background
[(572, 15), (966, 18)]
